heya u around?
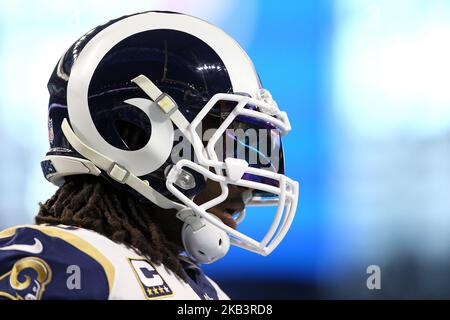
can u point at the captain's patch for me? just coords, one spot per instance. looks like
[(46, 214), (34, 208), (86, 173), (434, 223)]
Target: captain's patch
[(151, 282)]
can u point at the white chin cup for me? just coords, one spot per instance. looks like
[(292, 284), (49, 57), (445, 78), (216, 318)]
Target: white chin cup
[(205, 244)]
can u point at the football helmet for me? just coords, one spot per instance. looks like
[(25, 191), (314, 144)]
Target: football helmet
[(127, 94)]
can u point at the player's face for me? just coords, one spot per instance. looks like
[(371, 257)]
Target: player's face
[(233, 205), (237, 196)]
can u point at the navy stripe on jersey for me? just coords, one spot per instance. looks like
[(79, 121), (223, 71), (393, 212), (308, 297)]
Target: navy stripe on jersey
[(198, 281)]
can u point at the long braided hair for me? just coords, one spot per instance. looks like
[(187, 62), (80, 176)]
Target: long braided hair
[(93, 203)]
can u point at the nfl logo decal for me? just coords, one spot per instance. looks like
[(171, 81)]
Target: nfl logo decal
[(51, 136), (151, 282)]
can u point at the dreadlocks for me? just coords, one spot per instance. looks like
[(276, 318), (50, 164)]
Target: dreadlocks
[(92, 203)]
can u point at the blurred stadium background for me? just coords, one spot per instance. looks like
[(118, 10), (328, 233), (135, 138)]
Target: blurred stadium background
[(367, 88)]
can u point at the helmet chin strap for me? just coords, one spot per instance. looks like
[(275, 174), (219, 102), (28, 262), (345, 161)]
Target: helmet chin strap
[(202, 240)]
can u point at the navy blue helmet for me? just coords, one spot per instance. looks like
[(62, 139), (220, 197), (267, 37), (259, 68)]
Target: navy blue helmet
[(131, 101)]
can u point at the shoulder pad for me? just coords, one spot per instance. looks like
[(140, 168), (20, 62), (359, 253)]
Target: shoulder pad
[(47, 262)]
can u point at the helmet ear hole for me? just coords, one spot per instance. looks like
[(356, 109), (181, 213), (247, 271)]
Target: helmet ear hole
[(133, 136), (201, 252), (220, 242)]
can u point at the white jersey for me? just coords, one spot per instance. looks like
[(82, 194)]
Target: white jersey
[(63, 262)]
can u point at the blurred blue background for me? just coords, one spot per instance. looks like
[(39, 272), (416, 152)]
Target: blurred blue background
[(366, 86)]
